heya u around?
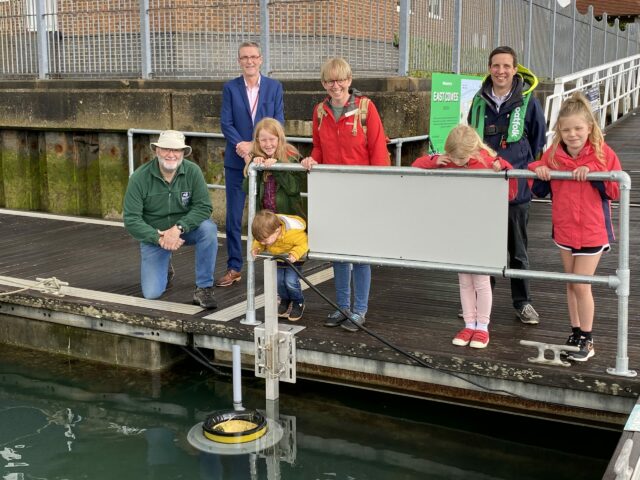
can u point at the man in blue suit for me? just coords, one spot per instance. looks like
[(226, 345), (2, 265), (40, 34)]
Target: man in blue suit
[(245, 101)]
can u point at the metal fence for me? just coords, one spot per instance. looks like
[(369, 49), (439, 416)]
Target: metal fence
[(199, 38)]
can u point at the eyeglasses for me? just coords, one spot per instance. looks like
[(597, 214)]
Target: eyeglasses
[(336, 82), (246, 58)]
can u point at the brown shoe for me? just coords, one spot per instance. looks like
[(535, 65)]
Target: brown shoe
[(228, 278)]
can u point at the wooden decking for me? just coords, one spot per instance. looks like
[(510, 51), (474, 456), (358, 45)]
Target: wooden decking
[(414, 309)]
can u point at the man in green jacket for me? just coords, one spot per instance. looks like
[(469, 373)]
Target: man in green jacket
[(166, 206)]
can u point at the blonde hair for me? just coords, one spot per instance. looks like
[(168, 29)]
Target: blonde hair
[(265, 224), (464, 142), (337, 67), (272, 126), (577, 104)]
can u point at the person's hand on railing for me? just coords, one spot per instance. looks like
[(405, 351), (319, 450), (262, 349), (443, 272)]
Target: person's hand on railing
[(543, 173), (308, 162), (580, 173)]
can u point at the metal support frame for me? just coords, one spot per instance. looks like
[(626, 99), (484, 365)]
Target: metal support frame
[(275, 358)]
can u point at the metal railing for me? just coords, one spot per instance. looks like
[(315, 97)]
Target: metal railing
[(620, 282), (196, 39), (398, 142), (613, 88)]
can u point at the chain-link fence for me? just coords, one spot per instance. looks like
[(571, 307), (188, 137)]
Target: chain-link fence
[(199, 38)]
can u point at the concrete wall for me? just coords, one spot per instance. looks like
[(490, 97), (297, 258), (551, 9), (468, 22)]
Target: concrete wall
[(63, 145)]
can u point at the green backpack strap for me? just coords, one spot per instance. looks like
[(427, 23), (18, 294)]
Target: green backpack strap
[(476, 120)]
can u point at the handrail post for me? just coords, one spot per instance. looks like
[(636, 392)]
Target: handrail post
[(399, 153), (623, 273), (250, 317), (265, 46)]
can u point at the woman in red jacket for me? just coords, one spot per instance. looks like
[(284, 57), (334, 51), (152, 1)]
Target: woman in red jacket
[(465, 149), (347, 130), (581, 210)]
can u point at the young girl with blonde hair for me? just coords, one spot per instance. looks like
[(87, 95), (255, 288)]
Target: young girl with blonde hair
[(580, 209), (277, 191), (465, 149)]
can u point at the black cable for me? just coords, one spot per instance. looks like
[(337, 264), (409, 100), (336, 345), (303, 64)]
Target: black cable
[(410, 355), (202, 360)]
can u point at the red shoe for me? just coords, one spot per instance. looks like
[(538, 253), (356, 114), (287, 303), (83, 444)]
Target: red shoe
[(463, 337), (480, 339)]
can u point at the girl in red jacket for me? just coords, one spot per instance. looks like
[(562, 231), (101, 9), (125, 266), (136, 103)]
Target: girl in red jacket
[(465, 149), (581, 210)]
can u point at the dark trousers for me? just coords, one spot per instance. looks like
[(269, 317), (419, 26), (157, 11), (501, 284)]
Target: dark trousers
[(235, 208), (518, 258)]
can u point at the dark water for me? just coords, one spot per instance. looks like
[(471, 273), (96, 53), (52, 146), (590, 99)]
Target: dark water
[(66, 419)]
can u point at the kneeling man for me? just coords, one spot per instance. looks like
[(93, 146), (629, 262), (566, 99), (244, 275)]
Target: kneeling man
[(167, 205)]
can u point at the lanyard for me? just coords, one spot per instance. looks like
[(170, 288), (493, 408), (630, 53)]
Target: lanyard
[(254, 106)]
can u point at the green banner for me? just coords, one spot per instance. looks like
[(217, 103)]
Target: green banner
[(451, 98)]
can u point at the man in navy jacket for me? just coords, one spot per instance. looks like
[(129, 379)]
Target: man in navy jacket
[(511, 121), (245, 101)]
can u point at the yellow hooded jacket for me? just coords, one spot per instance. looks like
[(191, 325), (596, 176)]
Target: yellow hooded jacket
[(292, 239)]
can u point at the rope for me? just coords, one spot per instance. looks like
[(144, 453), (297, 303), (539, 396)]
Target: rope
[(50, 285)]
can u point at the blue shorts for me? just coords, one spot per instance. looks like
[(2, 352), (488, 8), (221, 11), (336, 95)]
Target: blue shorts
[(585, 250)]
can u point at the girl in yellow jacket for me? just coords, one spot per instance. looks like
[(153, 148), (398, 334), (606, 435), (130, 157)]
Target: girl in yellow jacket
[(283, 234)]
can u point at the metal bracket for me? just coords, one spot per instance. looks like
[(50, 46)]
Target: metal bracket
[(555, 348), (276, 356)]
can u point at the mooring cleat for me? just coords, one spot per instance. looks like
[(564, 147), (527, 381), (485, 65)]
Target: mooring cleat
[(557, 350)]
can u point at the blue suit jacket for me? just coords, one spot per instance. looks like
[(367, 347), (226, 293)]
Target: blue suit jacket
[(235, 117)]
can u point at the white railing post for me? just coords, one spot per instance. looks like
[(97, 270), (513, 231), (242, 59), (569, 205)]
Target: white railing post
[(43, 48), (145, 40)]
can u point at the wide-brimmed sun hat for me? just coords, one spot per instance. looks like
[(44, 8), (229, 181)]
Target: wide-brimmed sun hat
[(171, 139)]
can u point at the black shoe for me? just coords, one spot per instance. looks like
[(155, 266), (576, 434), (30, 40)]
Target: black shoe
[(170, 274), (586, 351), (283, 309), (572, 341), (204, 297), (351, 324), (334, 319), (460, 315), (296, 311)]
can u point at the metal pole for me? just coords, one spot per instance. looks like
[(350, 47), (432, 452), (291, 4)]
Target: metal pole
[(41, 32), (623, 273), (573, 39), (272, 384), (591, 20), (527, 46), (145, 39), (604, 26), (457, 36), (616, 26), (264, 36), (497, 23), (403, 38), (553, 39), (250, 317), (237, 378)]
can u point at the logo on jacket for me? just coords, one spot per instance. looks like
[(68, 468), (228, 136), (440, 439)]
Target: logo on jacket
[(516, 122), (185, 198)]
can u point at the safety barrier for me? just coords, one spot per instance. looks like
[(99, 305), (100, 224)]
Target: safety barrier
[(620, 282), (612, 88), (398, 142)]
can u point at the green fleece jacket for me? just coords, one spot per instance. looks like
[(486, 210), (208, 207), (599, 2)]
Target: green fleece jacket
[(152, 204)]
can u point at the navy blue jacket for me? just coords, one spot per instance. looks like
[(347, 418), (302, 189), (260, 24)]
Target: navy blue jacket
[(235, 117), (521, 153)]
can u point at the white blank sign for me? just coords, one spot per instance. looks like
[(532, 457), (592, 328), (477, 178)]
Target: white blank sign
[(453, 220)]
